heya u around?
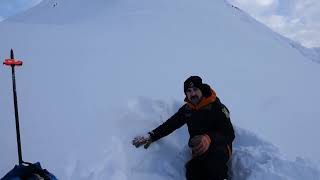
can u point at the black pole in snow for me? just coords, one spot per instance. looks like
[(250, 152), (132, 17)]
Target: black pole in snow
[(12, 62), (16, 113)]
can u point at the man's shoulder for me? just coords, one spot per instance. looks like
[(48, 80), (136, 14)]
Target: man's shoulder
[(184, 108), (217, 105)]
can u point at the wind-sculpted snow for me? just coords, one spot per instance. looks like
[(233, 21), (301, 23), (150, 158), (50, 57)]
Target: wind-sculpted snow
[(253, 158)]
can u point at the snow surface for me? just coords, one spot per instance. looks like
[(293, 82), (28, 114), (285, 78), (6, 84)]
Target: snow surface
[(97, 73)]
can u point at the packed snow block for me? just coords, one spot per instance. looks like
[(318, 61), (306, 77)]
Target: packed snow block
[(29, 172)]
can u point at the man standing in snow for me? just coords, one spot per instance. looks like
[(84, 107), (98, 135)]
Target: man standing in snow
[(210, 129)]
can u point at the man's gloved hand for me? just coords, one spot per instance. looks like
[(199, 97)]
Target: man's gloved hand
[(142, 140), (200, 144)]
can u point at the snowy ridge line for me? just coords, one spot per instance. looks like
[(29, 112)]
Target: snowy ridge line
[(309, 53), (52, 8)]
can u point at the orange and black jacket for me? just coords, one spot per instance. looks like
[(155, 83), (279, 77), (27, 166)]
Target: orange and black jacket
[(209, 117)]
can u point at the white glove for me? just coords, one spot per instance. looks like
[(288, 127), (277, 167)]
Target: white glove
[(142, 140)]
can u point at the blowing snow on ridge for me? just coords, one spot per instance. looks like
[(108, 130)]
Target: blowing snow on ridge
[(92, 70)]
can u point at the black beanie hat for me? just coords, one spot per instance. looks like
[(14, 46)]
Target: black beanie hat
[(196, 81), (192, 81)]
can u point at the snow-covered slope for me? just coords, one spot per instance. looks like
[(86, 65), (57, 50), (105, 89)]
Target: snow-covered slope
[(85, 60), (253, 158)]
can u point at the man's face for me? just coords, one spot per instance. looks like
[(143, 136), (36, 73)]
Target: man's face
[(194, 95)]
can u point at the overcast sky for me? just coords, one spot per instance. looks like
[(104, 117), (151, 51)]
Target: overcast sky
[(296, 19)]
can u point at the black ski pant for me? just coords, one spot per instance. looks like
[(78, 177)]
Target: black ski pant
[(212, 165)]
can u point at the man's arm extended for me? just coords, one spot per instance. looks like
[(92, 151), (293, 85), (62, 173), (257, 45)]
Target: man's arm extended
[(173, 123)]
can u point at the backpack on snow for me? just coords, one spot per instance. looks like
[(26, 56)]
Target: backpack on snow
[(29, 171)]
